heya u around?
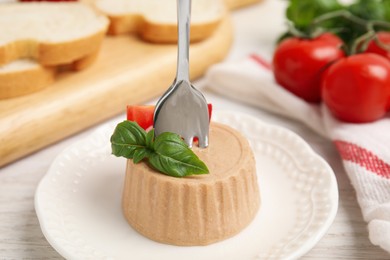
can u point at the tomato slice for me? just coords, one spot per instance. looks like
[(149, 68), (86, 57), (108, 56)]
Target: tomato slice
[(143, 115), (210, 107)]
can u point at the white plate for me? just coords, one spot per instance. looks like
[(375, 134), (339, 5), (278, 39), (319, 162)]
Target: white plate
[(78, 202)]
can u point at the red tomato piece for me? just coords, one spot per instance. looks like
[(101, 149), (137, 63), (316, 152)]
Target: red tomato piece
[(143, 115), (357, 88), (298, 64), (383, 37), (210, 107)]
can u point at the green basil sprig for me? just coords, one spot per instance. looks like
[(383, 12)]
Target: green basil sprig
[(167, 153)]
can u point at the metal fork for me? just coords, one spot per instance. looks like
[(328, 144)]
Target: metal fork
[(183, 109)]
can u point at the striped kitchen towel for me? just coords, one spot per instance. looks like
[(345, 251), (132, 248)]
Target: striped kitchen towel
[(364, 148)]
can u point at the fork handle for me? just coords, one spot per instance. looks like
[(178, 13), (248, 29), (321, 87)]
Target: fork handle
[(183, 37)]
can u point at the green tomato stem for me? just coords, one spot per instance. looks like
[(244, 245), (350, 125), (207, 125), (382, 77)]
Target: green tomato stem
[(372, 25), (340, 13), (361, 43), (294, 31)]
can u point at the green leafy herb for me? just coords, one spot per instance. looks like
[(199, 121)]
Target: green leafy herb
[(172, 156), (127, 139), (167, 153)]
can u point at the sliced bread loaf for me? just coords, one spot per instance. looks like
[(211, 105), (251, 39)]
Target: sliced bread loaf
[(51, 33), (155, 20), (23, 77), (26, 76)]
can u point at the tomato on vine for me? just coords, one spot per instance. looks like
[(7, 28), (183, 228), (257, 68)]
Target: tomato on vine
[(373, 47), (298, 63), (357, 88)]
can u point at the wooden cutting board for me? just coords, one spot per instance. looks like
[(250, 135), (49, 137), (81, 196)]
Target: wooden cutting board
[(128, 71)]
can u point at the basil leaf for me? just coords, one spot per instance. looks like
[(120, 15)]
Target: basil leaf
[(128, 136), (140, 154), (173, 157), (150, 139), (168, 153)]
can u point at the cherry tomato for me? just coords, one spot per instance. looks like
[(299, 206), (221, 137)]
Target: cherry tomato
[(357, 88), (298, 64), (143, 115), (372, 47)]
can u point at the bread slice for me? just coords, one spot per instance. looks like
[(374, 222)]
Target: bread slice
[(51, 33), (26, 76), (235, 4), (23, 77), (155, 20)]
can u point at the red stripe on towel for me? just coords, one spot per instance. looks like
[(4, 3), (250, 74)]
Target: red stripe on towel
[(363, 157), (261, 61)]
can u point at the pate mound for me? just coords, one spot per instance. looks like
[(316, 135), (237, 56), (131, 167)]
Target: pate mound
[(199, 209)]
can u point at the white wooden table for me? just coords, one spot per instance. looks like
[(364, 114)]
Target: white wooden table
[(256, 30)]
